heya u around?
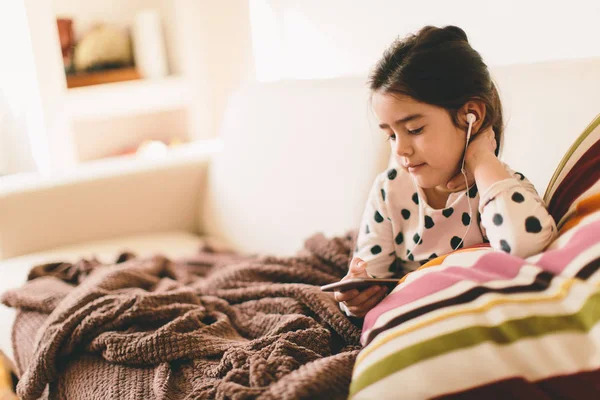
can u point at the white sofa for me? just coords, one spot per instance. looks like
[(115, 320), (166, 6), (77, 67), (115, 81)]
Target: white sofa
[(293, 158)]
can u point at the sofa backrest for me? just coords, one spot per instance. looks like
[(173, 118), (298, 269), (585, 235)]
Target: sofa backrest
[(300, 156), (546, 107)]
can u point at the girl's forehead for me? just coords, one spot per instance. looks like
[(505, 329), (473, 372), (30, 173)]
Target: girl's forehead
[(399, 104)]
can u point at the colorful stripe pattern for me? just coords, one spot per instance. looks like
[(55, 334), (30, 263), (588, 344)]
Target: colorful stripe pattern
[(480, 323)]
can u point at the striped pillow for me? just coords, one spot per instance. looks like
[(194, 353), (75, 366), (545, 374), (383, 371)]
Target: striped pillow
[(483, 324), (577, 176)]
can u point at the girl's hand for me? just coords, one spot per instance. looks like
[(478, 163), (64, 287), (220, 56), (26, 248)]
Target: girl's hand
[(482, 146), (360, 302)]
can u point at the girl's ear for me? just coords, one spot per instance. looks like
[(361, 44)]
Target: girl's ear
[(474, 107)]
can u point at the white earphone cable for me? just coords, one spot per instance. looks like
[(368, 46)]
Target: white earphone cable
[(462, 170)]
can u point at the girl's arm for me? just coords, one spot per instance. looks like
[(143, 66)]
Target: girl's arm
[(513, 215), (374, 243)]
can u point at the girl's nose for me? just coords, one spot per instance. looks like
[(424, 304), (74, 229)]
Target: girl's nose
[(403, 147)]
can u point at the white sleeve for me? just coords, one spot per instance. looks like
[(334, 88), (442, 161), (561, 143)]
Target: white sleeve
[(375, 243), (514, 217)]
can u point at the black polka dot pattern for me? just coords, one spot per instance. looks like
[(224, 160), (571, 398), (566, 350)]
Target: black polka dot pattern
[(405, 213), (396, 266), (478, 219), (448, 212), (367, 231), (466, 219), (473, 192), (428, 222), (517, 197), (417, 239), (378, 217), (415, 198), (520, 175), (504, 246), (376, 249), (392, 174), (410, 255), (497, 219), (433, 256), (533, 225), (399, 238), (456, 243), (383, 194)]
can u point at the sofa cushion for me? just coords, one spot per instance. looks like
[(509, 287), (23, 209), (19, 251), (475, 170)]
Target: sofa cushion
[(298, 157)]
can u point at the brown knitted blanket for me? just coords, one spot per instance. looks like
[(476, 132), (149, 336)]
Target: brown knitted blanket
[(215, 325)]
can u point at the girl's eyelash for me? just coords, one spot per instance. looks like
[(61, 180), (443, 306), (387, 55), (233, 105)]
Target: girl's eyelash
[(413, 132)]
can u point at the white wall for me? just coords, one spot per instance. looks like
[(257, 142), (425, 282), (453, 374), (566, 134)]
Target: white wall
[(323, 39), (26, 120), (51, 82)]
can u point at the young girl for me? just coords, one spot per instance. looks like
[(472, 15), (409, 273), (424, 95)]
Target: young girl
[(438, 107)]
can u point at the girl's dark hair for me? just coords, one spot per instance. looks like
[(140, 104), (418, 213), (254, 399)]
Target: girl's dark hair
[(438, 66)]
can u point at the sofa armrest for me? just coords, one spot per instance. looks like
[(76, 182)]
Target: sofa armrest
[(102, 200)]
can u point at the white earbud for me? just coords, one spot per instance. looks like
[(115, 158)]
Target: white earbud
[(471, 118)]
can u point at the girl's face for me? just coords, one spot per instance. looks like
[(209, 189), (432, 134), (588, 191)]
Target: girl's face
[(423, 138)]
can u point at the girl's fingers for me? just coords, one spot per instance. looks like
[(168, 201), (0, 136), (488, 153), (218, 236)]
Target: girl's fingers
[(363, 296), (379, 294), (358, 269), (345, 296), (354, 262), (362, 309)]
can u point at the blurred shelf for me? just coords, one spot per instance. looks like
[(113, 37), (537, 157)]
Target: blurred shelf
[(183, 153), (102, 77), (128, 98), (200, 151)]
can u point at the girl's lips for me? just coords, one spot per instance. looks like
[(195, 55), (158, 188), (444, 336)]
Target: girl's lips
[(415, 167)]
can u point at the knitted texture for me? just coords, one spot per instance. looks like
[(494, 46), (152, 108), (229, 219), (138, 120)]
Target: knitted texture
[(214, 325)]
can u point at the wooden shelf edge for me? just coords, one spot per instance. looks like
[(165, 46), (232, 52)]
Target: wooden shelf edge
[(102, 77)]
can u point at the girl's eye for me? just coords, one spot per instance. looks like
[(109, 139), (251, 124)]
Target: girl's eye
[(391, 137), (416, 131)]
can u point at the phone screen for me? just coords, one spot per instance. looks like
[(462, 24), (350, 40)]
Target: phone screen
[(358, 283)]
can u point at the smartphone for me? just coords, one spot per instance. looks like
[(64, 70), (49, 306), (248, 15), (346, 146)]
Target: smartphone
[(359, 283)]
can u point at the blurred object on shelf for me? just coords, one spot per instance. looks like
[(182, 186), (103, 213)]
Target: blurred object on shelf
[(149, 44), (99, 77), (67, 41), (103, 47), (151, 148)]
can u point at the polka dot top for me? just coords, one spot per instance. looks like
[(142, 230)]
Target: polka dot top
[(400, 231)]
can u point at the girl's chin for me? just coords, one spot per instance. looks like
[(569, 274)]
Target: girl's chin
[(425, 183)]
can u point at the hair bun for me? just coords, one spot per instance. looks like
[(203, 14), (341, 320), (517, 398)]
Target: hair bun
[(435, 35), (456, 32)]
